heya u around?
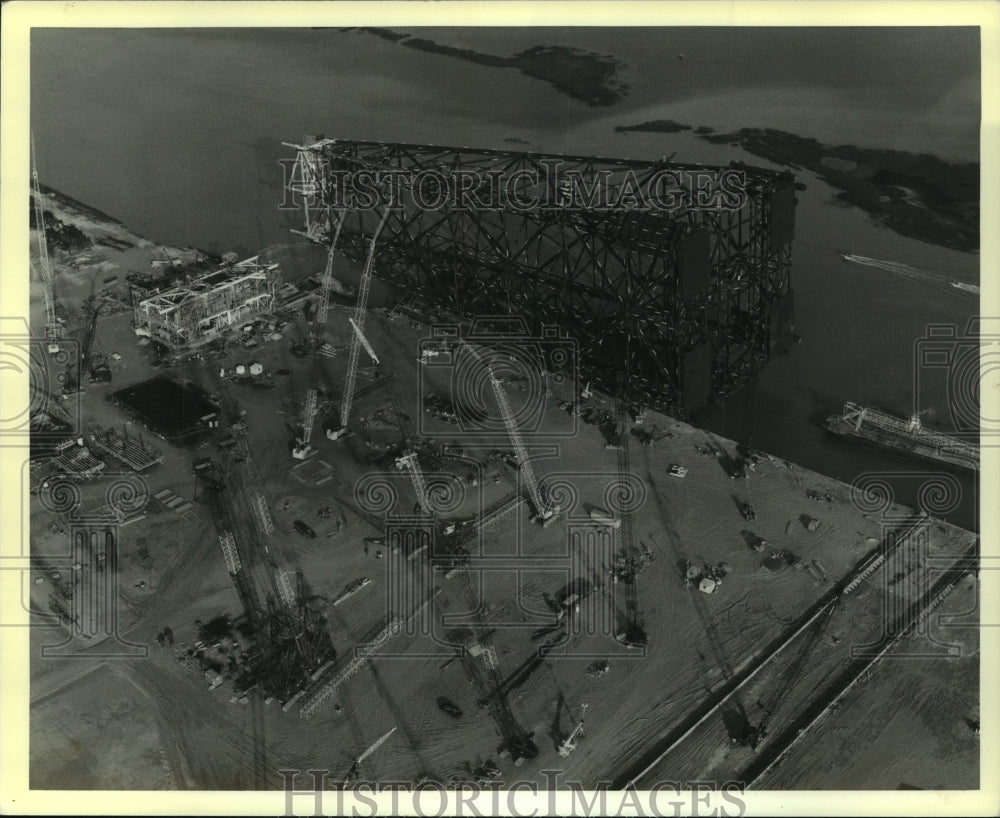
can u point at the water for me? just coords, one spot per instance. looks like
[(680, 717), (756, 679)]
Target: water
[(178, 135)]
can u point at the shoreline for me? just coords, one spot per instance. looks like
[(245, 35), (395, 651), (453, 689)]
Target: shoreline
[(102, 219), (583, 75), (917, 195)]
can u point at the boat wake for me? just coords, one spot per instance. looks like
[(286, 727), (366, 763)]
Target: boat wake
[(931, 278)]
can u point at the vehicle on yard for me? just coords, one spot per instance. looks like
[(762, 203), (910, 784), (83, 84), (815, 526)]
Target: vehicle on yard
[(449, 707), (304, 529)]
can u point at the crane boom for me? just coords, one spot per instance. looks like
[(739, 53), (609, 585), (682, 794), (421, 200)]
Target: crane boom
[(302, 449), (43, 249), (308, 415), (359, 319), (357, 762), (635, 635), (543, 509), (364, 341), (375, 746), (50, 307), (409, 462), (569, 745), (53, 331), (323, 309)]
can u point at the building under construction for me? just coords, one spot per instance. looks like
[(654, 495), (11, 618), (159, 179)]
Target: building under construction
[(676, 274), (199, 311)]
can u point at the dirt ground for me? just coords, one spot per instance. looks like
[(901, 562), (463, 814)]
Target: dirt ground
[(519, 571), (908, 725), (99, 734)]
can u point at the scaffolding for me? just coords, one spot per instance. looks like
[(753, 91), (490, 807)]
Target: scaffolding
[(199, 311), (133, 452), (228, 543)]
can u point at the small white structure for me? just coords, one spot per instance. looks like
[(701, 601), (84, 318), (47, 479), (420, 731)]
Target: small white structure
[(708, 586)]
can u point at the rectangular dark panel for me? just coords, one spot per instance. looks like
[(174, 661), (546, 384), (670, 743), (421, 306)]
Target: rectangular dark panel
[(782, 220), (696, 264), (696, 376)]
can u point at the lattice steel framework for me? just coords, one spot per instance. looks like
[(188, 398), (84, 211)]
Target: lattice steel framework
[(197, 312), (690, 300)]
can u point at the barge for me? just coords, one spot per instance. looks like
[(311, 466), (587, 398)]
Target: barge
[(906, 436)]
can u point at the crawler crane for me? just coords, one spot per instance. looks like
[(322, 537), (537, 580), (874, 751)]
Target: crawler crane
[(569, 745), (360, 311)]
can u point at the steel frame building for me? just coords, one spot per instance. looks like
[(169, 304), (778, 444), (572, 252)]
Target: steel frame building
[(197, 312), (672, 307)]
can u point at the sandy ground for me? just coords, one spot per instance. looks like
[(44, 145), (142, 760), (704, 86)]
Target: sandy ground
[(101, 733), (857, 623), (695, 641), (906, 726)]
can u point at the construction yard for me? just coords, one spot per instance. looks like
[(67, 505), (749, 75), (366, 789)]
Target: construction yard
[(520, 630)]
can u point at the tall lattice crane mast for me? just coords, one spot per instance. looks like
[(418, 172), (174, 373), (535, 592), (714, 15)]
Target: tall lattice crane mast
[(409, 462), (364, 341), (53, 330), (635, 635), (545, 510), (359, 322), (302, 448), (323, 308)]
